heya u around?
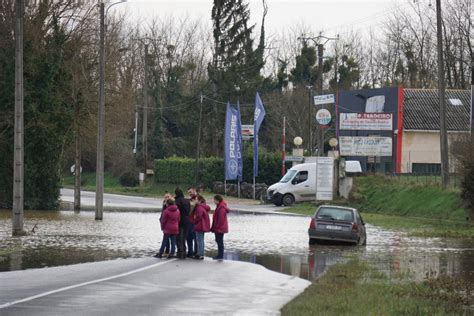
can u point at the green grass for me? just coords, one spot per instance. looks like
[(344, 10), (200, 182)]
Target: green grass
[(355, 288), (112, 185), (385, 195)]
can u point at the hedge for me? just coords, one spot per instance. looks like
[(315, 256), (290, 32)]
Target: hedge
[(180, 170)]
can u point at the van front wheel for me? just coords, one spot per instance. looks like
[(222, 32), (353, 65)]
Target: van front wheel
[(288, 200)]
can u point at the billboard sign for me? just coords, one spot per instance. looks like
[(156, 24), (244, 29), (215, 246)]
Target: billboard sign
[(323, 99), (365, 146), (366, 121), (324, 178)]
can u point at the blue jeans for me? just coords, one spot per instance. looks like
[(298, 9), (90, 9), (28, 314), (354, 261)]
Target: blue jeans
[(200, 243), (166, 244), (191, 240), (220, 245)]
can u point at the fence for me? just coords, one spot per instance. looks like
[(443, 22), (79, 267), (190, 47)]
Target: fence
[(425, 178)]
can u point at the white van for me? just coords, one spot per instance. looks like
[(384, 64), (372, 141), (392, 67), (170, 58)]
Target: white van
[(298, 185)]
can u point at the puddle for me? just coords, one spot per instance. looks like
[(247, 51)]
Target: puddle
[(279, 243)]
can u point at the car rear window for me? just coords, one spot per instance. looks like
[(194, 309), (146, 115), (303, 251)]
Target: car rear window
[(337, 214)]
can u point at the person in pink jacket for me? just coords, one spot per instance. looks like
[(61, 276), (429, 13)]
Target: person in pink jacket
[(202, 224), (220, 225), (170, 228)]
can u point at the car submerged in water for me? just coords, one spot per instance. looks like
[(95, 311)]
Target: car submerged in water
[(338, 224)]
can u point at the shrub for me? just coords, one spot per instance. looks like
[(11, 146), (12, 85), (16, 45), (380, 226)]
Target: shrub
[(129, 179), (178, 170)]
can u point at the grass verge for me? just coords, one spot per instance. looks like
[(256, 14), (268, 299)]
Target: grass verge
[(413, 226), (355, 288), (112, 185)]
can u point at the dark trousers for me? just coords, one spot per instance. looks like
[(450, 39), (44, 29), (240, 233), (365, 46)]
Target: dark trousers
[(220, 245), (191, 241), (181, 241), (165, 244)]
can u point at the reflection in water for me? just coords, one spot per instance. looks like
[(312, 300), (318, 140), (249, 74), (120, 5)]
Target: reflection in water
[(279, 243)]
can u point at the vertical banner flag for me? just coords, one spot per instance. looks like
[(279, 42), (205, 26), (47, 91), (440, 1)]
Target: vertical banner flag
[(259, 114), (233, 144)]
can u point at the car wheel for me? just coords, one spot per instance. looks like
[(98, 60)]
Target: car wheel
[(312, 241), (288, 200)]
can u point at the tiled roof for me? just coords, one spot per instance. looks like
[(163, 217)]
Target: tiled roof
[(421, 109)]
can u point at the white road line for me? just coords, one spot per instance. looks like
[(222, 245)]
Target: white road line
[(67, 288)]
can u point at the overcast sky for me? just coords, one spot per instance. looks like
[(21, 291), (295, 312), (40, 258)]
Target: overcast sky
[(332, 16)]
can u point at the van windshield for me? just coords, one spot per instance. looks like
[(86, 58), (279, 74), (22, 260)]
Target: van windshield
[(288, 176)]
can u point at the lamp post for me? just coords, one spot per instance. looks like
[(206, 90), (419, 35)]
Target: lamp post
[(99, 188)]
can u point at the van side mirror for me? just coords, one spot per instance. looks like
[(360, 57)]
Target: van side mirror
[(294, 181)]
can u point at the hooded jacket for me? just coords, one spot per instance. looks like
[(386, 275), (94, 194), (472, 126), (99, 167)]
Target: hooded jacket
[(170, 220), (184, 207), (219, 219), (202, 223)]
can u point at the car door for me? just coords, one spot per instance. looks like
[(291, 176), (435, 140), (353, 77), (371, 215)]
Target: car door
[(303, 190)]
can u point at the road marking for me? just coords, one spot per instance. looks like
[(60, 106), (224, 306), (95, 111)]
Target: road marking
[(67, 288)]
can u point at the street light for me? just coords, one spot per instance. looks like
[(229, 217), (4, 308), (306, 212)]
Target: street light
[(99, 189)]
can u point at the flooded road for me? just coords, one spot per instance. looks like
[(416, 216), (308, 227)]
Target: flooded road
[(279, 243)]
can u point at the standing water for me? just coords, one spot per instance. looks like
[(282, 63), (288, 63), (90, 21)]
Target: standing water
[(277, 242)]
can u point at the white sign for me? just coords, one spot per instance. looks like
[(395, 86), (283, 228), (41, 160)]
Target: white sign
[(324, 178), (247, 132), (294, 158), (365, 146), (366, 121), (323, 117), (323, 99)]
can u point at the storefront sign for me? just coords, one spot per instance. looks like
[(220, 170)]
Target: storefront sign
[(366, 121), (365, 146)]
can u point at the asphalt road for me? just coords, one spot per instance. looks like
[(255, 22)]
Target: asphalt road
[(148, 286), (116, 202)]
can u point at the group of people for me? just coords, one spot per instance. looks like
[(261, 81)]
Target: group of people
[(184, 221)]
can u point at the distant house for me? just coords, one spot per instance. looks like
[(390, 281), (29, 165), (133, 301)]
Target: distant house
[(397, 129), (421, 138)]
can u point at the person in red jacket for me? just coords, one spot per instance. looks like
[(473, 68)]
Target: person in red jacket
[(220, 225), (170, 228), (202, 224)]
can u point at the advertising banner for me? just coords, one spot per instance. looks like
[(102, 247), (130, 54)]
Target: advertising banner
[(366, 121), (365, 146), (233, 144), (259, 114)]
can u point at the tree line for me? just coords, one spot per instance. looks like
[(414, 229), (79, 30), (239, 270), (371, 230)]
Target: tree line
[(174, 67)]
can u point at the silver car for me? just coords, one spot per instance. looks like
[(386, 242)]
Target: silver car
[(335, 223)]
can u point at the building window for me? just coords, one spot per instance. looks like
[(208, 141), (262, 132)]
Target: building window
[(427, 168)]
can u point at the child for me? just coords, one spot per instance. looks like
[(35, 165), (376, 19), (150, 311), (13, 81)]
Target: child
[(202, 224), (170, 228), (220, 225)]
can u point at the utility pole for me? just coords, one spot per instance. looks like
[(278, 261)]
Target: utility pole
[(442, 101), (198, 148), (77, 169), (99, 182), (145, 113), (283, 148), (472, 96), (320, 49), (320, 88), (19, 154), (99, 186), (310, 119)]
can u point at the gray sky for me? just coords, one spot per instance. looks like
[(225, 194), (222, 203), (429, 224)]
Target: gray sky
[(332, 16)]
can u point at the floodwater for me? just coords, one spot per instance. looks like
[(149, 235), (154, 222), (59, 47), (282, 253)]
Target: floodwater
[(279, 243)]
